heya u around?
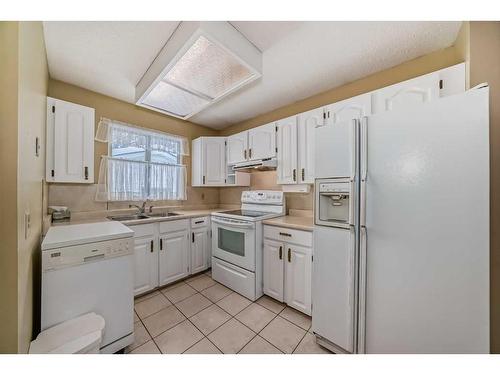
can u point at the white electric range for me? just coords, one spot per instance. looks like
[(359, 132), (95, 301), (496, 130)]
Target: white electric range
[(237, 241)]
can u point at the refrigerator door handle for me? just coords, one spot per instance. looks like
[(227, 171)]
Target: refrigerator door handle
[(361, 348), (353, 150), (364, 148)]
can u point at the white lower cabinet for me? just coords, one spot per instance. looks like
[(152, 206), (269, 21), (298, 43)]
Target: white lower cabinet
[(165, 252), (288, 266), (174, 256), (200, 244)]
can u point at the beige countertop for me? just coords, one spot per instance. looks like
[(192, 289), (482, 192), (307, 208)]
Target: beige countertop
[(81, 218), (293, 222)]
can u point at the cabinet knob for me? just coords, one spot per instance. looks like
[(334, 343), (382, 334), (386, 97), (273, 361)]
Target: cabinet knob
[(281, 252)]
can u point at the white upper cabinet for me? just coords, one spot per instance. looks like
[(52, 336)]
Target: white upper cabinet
[(209, 161), (349, 109), (307, 124), (422, 89), (262, 142), (70, 142), (237, 148), (287, 150)]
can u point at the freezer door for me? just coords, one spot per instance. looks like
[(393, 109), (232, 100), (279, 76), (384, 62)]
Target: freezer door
[(425, 246), (334, 286), (335, 150)]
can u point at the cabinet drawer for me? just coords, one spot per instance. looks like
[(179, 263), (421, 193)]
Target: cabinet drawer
[(199, 222), (298, 237), (173, 225), (142, 230)]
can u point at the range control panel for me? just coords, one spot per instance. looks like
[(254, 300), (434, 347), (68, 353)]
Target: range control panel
[(80, 254), (262, 197)]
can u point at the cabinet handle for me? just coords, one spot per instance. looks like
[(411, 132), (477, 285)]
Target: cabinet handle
[(294, 174), (203, 180), (281, 252), (161, 244), (245, 154), (250, 153), (289, 255), (303, 174), (199, 222), (285, 234), (151, 246), (86, 172), (192, 236)]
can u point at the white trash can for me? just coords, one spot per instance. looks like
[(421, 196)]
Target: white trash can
[(81, 335)]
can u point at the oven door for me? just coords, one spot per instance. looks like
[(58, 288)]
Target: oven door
[(234, 241)]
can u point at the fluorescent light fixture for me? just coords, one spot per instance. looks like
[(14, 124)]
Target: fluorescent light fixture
[(200, 64)]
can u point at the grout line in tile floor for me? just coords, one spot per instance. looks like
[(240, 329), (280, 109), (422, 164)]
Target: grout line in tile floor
[(183, 282)]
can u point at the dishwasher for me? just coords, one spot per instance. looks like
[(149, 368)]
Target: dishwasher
[(89, 268)]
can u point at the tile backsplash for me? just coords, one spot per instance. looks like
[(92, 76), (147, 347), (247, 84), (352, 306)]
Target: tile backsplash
[(81, 198)]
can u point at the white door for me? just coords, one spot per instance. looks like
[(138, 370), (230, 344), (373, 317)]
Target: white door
[(145, 264), (274, 269), (349, 109), (298, 271), (287, 150), (199, 244), (335, 150), (427, 228), (307, 124), (70, 142), (174, 256), (262, 142), (214, 160), (405, 95), (334, 285), (237, 148)]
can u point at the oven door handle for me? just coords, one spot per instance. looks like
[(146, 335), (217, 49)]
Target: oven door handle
[(232, 223)]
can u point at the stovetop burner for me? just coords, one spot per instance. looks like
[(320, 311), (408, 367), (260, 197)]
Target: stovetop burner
[(247, 213)]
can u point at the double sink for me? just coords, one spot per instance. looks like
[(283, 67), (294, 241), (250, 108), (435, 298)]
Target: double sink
[(141, 216)]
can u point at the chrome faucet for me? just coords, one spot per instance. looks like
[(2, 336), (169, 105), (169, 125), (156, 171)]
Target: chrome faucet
[(142, 209)]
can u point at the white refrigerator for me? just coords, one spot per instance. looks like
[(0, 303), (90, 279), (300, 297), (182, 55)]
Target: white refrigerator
[(413, 275)]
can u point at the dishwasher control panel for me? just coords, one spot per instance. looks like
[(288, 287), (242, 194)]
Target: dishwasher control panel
[(80, 254)]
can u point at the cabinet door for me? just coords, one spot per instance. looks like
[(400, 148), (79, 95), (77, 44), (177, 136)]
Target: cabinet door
[(349, 109), (287, 151), (214, 161), (70, 142), (273, 269), (199, 250), (307, 123), (406, 94), (145, 264), (262, 142), (237, 148), (298, 267), (174, 256)]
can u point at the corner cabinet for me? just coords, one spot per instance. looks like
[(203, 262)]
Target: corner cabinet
[(287, 264), (70, 142)]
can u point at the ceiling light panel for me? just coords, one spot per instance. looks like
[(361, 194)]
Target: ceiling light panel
[(200, 64)]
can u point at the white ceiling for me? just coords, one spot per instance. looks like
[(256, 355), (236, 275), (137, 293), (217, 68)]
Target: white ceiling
[(300, 59)]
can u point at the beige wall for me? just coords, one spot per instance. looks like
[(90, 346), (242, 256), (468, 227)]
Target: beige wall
[(24, 77), (32, 104), (8, 187), (484, 53), (80, 197)]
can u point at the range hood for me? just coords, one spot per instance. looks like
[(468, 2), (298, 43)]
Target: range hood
[(260, 165), (201, 63)]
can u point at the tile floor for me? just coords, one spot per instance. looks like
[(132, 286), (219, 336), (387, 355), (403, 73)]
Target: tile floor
[(201, 316)]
